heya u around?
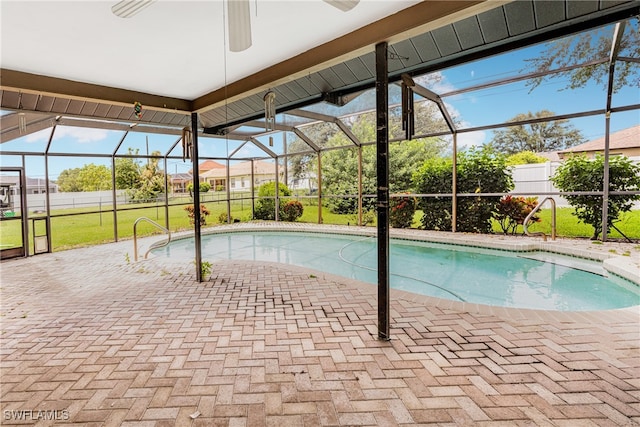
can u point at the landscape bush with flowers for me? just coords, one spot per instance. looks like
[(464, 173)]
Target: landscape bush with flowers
[(512, 211), (401, 211), (204, 213)]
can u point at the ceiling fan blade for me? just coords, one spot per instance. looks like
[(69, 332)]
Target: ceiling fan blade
[(129, 8), (343, 5), (239, 25)]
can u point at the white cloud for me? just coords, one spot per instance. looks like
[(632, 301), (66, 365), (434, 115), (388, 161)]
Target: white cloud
[(81, 135), (436, 82), (40, 136), (471, 139)]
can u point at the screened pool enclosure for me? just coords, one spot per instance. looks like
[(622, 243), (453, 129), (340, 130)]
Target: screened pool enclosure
[(66, 160)]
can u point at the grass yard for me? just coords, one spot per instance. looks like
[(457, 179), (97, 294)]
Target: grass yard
[(567, 225), (82, 229)]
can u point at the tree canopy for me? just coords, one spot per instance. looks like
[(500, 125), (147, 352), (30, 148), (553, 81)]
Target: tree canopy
[(524, 158), (90, 177), (587, 47), (68, 181), (141, 182), (127, 171), (536, 137), (151, 181), (340, 167)]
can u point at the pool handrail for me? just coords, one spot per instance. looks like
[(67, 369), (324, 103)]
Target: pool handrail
[(153, 245), (553, 220)]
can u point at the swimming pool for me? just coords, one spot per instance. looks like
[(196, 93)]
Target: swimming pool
[(535, 280)]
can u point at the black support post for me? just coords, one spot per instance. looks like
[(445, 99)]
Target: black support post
[(196, 196), (382, 169)]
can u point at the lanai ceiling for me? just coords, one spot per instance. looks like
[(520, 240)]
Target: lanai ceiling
[(64, 61)]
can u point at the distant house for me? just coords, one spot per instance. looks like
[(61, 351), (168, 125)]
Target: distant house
[(34, 185), (179, 182), (240, 176), (206, 166), (551, 156), (625, 142)]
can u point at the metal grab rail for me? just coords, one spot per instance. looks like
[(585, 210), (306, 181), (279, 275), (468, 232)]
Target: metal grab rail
[(553, 220), (152, 246)]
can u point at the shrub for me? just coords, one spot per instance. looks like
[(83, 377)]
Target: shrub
[(524, 158), (512, 211), (292, 210), (368, 217), (204, 187), (345, 205), (222, 218), (401, 211), (578, 173), (204, 213), (266, 203), (479, 171)]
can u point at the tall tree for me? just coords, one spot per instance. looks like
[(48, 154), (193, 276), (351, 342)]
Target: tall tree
[(94, 177), (304, 166), (127, 171), (536, 137), (68, 181), (587, 47), (339, 166), (151, 181)]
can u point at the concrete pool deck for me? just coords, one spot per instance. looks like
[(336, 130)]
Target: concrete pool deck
[(90, 337)]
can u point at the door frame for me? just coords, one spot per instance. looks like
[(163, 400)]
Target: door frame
[(22, 251)]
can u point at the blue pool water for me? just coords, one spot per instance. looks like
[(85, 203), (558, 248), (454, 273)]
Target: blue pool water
[(484, 276)]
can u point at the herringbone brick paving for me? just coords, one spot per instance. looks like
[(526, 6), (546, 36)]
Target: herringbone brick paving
[(113, 343)]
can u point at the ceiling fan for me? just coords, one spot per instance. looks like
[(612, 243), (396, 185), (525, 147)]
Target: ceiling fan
[(238, 17)]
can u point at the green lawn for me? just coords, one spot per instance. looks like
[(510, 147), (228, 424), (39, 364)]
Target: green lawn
[(81, 229), (567, 225), (93, 228)]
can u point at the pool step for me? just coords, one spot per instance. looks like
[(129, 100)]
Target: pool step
[(565, 261)]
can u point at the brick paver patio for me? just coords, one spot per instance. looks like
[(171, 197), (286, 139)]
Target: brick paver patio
[(90, 338)]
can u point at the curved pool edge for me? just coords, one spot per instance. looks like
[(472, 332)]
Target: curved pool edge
[(525, 315), (622, 266)]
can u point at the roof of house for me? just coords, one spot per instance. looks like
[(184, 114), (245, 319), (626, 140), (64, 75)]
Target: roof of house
[(181, 177), (31, 182), (242, 169), (626, 138), (551, 156), (208, 165)]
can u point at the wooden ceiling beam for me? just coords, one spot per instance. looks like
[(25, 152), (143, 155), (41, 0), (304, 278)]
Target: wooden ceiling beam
[(69, 89)]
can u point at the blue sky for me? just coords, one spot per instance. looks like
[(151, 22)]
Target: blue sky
[(502, 103), (474, 109)]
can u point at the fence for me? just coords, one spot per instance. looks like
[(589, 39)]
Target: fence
[(531, 180), (534, 180)]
